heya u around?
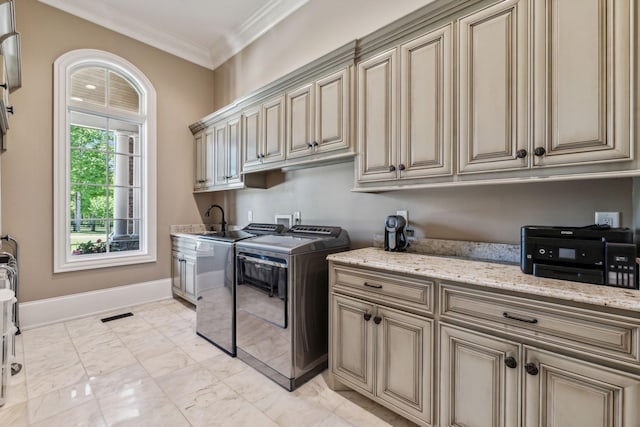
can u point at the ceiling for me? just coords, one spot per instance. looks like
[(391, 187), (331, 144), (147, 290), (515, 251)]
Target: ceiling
[(206, 32)]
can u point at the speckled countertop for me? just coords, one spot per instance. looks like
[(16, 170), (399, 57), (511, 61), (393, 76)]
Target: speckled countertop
[(490, 275)]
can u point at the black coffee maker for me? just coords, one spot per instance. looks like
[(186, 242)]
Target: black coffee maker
[(394, 238)]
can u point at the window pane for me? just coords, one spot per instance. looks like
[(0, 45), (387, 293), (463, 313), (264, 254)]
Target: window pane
[(88, 167), (88, 131), (88, 85), (88, 232), (122, 94), (126, 136)]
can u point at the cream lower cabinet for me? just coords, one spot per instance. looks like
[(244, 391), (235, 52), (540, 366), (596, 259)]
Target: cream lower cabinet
[(183, 268), (385, 354), (479, 379), (561, 391)]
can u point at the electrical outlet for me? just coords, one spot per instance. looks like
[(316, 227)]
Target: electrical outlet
[(296, 218), (250, 216), (404, 214), (611, 219)]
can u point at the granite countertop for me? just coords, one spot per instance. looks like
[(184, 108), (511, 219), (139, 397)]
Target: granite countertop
[(490, 275)]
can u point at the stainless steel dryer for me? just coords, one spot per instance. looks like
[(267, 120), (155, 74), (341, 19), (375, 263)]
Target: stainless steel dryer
[(282, 301), (215, 279)]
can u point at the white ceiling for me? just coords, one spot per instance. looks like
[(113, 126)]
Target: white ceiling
[(206, 32)]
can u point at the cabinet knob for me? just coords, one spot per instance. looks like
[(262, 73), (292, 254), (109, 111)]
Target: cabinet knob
[(309, 145), (539, 151), (315, 144), (401, 167), (521, 154), (367, 317), (531, 368), (5, 86), (258, 157), (262, 156), (377, 320), (10, 110), (392, 168), (511, 362)]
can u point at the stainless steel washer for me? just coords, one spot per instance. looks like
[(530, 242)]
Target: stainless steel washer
[(215, 280)]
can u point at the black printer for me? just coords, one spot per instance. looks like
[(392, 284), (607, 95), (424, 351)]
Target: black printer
[(594, 254)]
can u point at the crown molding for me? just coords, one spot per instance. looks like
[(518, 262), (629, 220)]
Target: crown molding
[(210, 56)]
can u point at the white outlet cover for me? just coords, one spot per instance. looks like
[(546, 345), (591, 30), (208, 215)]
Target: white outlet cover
[(610, 218)]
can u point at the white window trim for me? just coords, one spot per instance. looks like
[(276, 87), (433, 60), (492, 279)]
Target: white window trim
[(63, 261)]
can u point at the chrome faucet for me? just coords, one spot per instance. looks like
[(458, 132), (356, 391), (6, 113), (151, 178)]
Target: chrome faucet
[(223, 223)]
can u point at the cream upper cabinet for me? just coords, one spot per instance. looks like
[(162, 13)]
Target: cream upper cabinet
[(377, 121), (479, 379), (273, 130), (404, 110), (318, 116), (204, 163), (561, 391), (226, 147), (493, 88), (583, 90), (263, 134), (426, 100)]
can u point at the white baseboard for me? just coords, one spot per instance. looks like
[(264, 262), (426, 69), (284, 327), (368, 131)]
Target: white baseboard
[(58, 309)]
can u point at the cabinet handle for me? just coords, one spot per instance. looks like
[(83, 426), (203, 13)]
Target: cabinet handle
[(10, 110), (377, 320), (539, 151), (531, 368), (315, 144), (201, 181), (258, 157), (367, 317), (521, 154), (519, 319), (198, 299), (392, 168), (309, 145), (511, 362), (401, 167), (262, 156), (369, 285)]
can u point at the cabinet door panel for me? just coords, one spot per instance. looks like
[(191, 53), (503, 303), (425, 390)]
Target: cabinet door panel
[(492, 87), (189, 265), (426, 95), (572, 393), (233, 150), (251, 137), (176, 272), (332, 112), (405, 363), (377, 117), (273, 130), (582, 80), (200, 162), (476, 387), (352, 342), (300, 122), (219, 153)]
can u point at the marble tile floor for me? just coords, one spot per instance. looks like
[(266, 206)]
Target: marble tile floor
[(151, 369)]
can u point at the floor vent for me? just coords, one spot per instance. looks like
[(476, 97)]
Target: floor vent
[(116, 317)]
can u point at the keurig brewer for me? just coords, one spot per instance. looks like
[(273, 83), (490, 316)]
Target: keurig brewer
[(395, 239)]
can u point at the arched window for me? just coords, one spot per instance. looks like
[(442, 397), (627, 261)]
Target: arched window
[(104, 162)]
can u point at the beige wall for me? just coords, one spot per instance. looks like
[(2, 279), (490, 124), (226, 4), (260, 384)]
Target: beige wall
[(486, 213), (184, 95)]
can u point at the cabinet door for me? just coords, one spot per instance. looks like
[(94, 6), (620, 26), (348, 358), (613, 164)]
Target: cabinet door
[(492, 87), (300, 122), (405, 362), (189, 277), (273, 130), (352, 343), (333, 112), (200, 161), (176, 272), (567, 392), (220, 153), (582, 80), (425, 105), (377, 98), (477, 388), (251, 137), (233, 150)]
